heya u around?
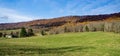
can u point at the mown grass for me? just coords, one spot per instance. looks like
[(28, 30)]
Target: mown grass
[(67, 44)]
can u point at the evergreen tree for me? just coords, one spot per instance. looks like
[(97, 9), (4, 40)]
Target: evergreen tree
[(23, 32), (86, 28)]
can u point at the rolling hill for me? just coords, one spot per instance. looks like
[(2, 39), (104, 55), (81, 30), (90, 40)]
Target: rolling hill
[(54, 22)]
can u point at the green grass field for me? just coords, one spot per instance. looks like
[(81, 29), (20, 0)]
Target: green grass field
[(67, 44)]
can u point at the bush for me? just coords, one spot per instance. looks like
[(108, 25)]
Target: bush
[(43, 32), (1, 34), (30, 32)]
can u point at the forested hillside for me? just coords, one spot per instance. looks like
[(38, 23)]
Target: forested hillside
[(55, 22)]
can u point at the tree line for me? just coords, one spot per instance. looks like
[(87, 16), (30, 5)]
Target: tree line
[(70, 27), (88, 27), (22, 33)]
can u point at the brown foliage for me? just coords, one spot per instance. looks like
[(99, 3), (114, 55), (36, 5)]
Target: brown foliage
[(55, 22)]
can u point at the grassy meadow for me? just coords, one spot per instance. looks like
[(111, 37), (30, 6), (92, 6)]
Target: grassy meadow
[(67, 44)]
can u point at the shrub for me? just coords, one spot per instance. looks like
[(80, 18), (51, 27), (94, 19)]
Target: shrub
[(43, 32), (1, 34), (30, 32)]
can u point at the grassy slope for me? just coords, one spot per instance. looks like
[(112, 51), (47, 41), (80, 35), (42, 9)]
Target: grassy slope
[(68, 44)]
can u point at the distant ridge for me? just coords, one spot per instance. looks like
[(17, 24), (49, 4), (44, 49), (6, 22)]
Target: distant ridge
[(54, 22)]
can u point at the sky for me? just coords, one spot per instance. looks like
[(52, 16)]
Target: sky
[(26, 10)]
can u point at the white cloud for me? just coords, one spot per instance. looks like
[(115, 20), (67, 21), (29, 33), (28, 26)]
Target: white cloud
[(13, 16)]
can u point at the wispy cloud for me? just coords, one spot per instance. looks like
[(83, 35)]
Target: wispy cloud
[(10, 15), (24, 10), (67, 9), (106, 8), (91, 7)]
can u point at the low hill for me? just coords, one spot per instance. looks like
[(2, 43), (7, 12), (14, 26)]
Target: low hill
[(54, 22)]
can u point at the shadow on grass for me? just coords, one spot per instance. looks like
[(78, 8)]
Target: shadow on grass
[(34, 50), (64, 49)]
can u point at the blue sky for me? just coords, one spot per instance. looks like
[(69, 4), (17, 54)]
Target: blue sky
[(26, 10)]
